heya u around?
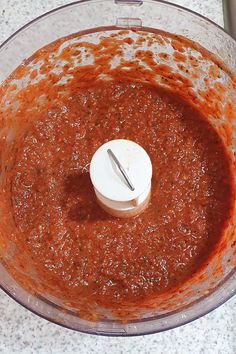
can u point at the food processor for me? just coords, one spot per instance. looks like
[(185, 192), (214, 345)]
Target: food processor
[(213, 87)]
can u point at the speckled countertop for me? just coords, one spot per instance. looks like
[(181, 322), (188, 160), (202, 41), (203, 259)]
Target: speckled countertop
[(23, 332)]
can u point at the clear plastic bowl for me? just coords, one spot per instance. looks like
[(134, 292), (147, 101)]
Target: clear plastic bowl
[(204, 293)]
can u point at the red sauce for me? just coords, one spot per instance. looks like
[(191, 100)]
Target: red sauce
[(54, 239), (77, 247)]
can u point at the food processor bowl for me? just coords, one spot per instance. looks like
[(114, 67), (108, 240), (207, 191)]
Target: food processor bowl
[(206, 80)]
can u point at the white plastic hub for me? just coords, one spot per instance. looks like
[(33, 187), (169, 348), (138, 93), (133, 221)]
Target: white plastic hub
[(111, 188)]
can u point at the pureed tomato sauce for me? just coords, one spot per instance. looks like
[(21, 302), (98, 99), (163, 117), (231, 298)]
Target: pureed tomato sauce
[(76, 246)]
